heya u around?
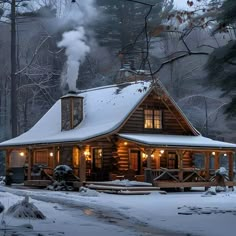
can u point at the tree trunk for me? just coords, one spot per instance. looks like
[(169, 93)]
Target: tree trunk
[(13, 71)]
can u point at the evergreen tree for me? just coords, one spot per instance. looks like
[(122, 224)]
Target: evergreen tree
[(222, 62), (126, 28)]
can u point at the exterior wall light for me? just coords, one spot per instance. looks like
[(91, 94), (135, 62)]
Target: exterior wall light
[(51, 154), (162, 151), (144, 156), (86, 153), (22, 154), (213, 153)]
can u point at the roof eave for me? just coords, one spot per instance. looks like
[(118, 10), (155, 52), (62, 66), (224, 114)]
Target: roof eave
[(153, 145)]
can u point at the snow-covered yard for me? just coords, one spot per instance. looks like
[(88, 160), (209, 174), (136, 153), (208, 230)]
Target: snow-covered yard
[(73, 213)]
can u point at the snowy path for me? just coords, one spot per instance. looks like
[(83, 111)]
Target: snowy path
[(70, 213), (183, 213)]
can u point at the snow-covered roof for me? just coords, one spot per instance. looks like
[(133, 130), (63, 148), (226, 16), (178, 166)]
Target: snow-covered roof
[(163, 140), (105, 109)]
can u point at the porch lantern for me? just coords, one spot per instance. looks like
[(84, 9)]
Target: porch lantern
[(51, 154), (144, 156), (22, 154), (86, 153), (213, 153), (162, 151)]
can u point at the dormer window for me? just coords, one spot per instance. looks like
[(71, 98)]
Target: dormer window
[(152, 119)]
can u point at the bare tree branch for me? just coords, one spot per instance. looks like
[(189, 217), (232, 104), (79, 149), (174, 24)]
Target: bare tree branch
[(206, 45), (34, 55), (177, 58)]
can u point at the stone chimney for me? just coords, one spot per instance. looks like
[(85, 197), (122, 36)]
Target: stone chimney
[(71, 111)]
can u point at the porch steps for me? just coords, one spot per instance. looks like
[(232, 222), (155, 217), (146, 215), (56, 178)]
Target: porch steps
[(124, 190)]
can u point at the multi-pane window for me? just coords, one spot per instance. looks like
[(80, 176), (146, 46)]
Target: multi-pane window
[(97, 158), (152, 119), (41, 157)]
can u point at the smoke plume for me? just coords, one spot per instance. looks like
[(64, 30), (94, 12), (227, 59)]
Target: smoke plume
[(79, 16), (76, 50)]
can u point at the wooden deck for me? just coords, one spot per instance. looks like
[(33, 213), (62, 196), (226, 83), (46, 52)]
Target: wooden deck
[(124, 190), (171, 184), (45, 183), (189, 177), (37, 183)]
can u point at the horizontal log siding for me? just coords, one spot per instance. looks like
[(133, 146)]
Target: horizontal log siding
[(123, 156), (107, 149), (187, 160), (176, 114), (135, 123)]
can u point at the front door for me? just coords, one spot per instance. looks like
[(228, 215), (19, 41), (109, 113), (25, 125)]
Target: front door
[(172, 160), (135, 161)]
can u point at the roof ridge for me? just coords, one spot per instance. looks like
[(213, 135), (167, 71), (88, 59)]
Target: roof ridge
[(111, 86)]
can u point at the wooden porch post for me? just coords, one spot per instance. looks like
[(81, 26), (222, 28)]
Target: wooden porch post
[(149, 158), (158, 162), (216, 161), (231, 166), (82, 166), (7, 160), (57, 160), (30, 157), (180, 165), (54, 158), (207, 165), (148, 171)]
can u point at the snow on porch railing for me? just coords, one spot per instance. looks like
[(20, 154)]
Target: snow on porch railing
[(177, 175)]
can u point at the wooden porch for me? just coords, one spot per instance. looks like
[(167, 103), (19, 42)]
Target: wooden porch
[(187, 177)]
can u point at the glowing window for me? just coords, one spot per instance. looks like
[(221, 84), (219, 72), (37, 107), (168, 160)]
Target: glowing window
[(97, 158), (152, 119)]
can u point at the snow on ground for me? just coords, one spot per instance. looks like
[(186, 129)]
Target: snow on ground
[(191, 213)]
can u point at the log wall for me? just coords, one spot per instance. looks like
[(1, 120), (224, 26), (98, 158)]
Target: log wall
[(172, 121)]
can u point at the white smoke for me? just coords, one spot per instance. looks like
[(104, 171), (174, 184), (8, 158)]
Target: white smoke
[(76, 49), (78, 15)]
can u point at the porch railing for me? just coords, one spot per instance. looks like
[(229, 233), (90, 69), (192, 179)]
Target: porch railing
[(181, 175)]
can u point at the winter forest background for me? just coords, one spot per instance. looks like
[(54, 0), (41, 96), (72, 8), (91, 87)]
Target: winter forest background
[(189, 45)]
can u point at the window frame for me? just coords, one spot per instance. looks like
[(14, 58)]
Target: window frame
[(151, 116), (95, 151), (39, 155)]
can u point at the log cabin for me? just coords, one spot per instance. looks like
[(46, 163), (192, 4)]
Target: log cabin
[(133, 130)]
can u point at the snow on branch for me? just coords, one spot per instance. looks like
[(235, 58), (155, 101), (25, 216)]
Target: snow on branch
[(25, 209)]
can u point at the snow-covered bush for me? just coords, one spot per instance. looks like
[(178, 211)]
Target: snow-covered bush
[(221, 189), (2, 180), (88, 192), (62, 175), (60, 186), (61, 172), (221, 171), (209, 192), (25, 209)]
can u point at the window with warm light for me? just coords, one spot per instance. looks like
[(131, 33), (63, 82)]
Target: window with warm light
[(97, 158), (152, 119)]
